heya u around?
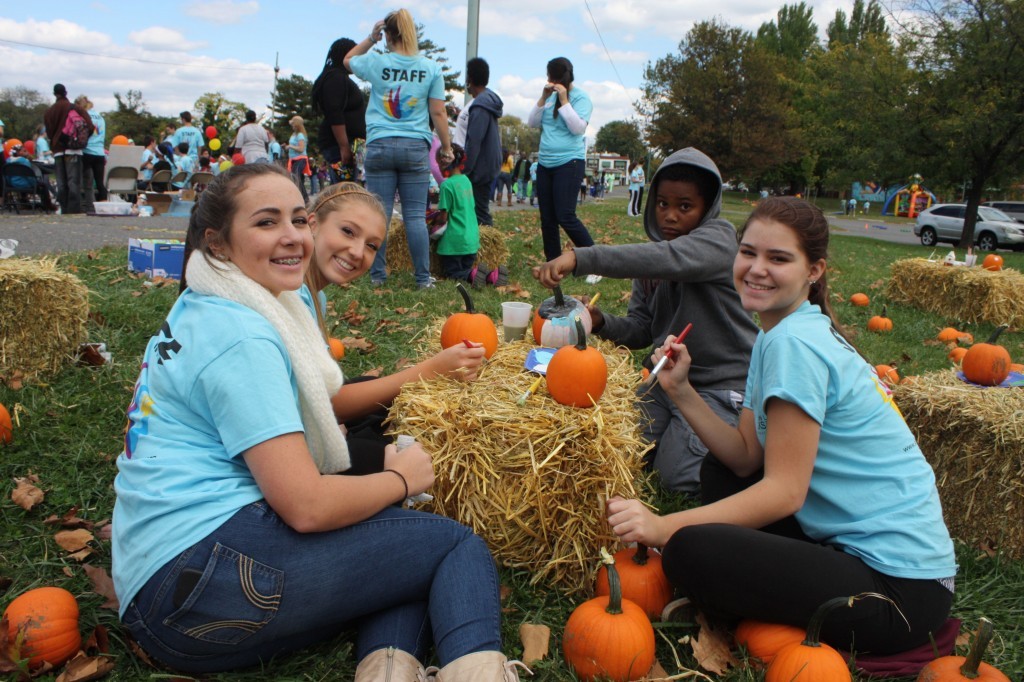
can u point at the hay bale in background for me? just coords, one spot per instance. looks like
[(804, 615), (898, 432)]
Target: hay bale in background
[(961, 293), (493, 250), (974, 439), (43, 320), (530, 480)]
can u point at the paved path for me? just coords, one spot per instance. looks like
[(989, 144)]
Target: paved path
[(38, 234)]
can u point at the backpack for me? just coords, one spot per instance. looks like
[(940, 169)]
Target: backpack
[(76, 132)]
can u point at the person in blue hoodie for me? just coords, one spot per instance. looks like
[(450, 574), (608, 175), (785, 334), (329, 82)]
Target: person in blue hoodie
[(482, 136), (682, 276)]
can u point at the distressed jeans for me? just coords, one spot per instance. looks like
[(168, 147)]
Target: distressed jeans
[(256, 588)]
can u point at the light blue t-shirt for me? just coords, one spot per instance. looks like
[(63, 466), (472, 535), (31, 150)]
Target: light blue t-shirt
[(274, 150), (148, 156), (193, 136), (295, 139), (559, 146), (400, 89), (186, 164), (94, 147), (215, 381), (636, 179), (307, 297), (872, 493), (43, 152)]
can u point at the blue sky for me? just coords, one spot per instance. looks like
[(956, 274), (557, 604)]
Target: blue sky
[(176, 51)]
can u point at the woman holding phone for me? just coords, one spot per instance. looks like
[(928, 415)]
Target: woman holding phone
[(561, 113)]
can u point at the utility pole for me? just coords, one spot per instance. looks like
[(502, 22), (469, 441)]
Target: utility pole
[(273, 101), (472, 36)]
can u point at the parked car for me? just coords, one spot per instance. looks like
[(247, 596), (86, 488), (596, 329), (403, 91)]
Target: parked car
[(993, 229), (1014, 209)]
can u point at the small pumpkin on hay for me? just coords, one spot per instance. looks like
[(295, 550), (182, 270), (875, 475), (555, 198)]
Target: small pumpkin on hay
[(987, 363), (469, 326)]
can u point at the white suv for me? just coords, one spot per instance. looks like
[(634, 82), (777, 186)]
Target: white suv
[(993, 229)]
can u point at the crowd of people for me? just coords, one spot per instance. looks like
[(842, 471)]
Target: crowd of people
[(256, 478)]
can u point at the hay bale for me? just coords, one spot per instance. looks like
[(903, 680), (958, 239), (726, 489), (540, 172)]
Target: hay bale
[(974, 439), (530, 480), (43, 320), (493, 250), (961, 293)]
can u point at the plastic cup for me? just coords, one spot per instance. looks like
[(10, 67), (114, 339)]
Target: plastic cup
[(515, 318)]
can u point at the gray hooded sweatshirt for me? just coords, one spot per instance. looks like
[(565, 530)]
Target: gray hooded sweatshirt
[(687, 279)]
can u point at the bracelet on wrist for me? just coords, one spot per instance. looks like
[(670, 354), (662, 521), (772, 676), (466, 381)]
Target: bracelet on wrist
[(405, 484)]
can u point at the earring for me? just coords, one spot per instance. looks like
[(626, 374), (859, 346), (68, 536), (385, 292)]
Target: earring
[(221, 256), (812, 282)]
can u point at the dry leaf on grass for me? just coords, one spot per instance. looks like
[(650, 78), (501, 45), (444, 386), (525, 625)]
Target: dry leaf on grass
[(351, 316), (963, 640), (535, 639), (25, 494), (102, 585), (69, 520), (657, 673), (711, 648), (83, 668), (352, 343), (73, 540)]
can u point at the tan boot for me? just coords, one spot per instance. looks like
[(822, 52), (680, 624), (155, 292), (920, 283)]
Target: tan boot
[(483, 666), (390, 665)]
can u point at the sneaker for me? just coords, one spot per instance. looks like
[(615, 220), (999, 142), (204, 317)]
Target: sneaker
[(426, 285), (594, 279), (377, 283), (477, 277), (681, 610), (498, 277)]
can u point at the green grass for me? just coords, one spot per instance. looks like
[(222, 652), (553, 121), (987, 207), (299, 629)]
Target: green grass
[(70, 428)]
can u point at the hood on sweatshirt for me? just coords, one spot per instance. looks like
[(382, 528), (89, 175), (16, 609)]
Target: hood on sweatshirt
[(489, 100), (683, 157)]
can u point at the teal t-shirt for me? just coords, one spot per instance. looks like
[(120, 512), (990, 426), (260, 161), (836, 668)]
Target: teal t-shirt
[(872, 493), (94, 147), (189, 134), (215, 381), (462, 237), (294, 140), (400, 88), (559, 146)]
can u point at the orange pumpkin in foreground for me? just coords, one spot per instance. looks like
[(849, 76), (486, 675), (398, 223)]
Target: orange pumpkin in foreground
[(880, 323), (811, 659), (337, 348), (6, 426), (642, 580), (993, 262), (609, 638), (956, 668), (471, 326), (763, 640), (987, 363), (47, 619), (577, 375), (888, 374), (957, 354)]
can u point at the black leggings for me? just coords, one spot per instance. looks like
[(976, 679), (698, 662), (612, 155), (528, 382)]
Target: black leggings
[(366, 440), (777, 574)]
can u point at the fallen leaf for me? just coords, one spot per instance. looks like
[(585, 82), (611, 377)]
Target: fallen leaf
[(657, 673), (351, 316), (963, 640), (711, 648), (136, 294), (105, 532), (352, 343), (375, 372), (83, 668), (69, 520), (102, 585), (25, 494), (14, 380), (9, 653), (140, 653), (402, 363), (73, 540), (504, 592), (99, 641), (535, 639), (626, 295)]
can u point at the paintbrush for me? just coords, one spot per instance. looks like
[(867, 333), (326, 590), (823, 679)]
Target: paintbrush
[(530, 391), (649, 382)]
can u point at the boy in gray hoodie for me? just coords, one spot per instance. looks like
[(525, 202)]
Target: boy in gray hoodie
[(682, 276)]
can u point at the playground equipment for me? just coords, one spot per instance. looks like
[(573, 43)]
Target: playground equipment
[(908, 201)]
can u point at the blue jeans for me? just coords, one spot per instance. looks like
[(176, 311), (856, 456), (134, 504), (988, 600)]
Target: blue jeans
[(255, 588), (556, 195), (402, 163)]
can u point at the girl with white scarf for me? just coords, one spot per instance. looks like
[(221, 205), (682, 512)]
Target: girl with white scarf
[(232, 541)]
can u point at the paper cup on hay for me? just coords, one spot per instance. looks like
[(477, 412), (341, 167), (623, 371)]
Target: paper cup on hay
[(531, 479), (515, 318)]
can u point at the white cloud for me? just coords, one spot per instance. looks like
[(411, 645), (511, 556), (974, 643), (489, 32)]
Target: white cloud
[(222, 11), (617, 56), (59, 32), (161, 38)]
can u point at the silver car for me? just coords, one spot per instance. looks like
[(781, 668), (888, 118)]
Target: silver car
[(993, 229)]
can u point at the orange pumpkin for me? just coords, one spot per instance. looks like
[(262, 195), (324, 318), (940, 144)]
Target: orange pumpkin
[(810, 659), (553, 324), (577, 375), (993, 262), (957, 354), (880, 323), (47, 620), (609, 638), (642, 580), (6, 426), (948, 335), (888, 374), (1016, 367), (956, 668), (986, 363), (763, 640), (860, 300), (471, 326), (337, 348)]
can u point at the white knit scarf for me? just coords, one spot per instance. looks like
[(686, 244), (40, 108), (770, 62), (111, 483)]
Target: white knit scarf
[(317, 374)]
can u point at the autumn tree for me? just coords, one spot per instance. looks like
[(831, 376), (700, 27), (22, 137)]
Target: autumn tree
[(621, 137), (21, 110), (516, 136), (721, 93), (214, 109)]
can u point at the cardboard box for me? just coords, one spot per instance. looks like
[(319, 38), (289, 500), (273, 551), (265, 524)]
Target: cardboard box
[(159, 201), (156, 257)]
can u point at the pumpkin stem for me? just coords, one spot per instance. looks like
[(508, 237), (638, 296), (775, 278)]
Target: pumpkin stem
[(581, 334), (614, 607), (999, 330), (465, 297), (640, 556), (981, 640), (814, 626), (885, 310), (559, 298)]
